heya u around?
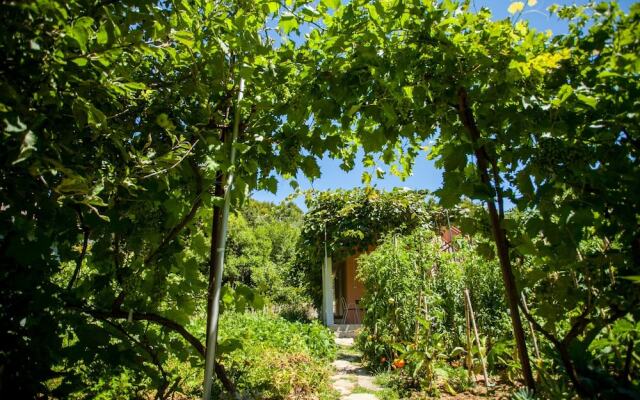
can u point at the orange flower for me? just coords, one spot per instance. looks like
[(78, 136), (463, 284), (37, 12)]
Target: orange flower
[(398, 363)]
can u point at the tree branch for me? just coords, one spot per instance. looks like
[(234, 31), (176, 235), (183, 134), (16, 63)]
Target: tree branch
[(162, 171), (550, 337), (145, 347), (186, 219), (166, 323), (579, 325), (85, 242)]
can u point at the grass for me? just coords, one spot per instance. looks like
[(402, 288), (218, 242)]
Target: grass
[(382, 394)]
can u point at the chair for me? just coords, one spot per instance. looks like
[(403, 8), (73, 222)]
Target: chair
[(347, 308)]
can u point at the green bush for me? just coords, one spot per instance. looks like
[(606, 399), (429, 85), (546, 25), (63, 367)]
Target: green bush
[(277, 359)]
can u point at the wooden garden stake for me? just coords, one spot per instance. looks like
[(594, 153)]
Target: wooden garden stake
[(475, 330), (468, 358), (418, 323), (533, 333)]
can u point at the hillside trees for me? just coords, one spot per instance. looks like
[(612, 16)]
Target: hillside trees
[(262, 249), (542, 121)]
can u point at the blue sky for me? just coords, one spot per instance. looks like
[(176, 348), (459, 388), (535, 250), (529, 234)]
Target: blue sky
[(425, 174)]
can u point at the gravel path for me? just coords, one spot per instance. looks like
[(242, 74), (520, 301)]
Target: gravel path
[(351, 380)]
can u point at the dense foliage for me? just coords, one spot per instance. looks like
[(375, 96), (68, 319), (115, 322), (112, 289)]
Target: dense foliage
[(546, 122), (116, 137), (267, 356), (415, 310), (116, 119)]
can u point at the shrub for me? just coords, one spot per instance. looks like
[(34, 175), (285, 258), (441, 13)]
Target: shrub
[(277, 359)]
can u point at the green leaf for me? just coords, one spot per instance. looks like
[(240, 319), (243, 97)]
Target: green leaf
[(27, 147), (334, 4), (164, 122), (486, 250), (563, 94), (95, 117), (408, 91), (525, 186), (353, 109), (366, 178), (288, 22), (102, 35), (81, 31), (73, 184), (184, 37), (135, 86), (229, 345), (271, 183), (635, 279), (80, 61), (273, 7), (588, 100)]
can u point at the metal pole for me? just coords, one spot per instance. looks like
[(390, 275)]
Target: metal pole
[(212, 335), (325, 283)]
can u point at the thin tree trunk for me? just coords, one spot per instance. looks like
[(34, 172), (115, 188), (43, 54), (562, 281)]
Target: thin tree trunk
[(626, 372), (563, 351), (499, 235), (85, 242)]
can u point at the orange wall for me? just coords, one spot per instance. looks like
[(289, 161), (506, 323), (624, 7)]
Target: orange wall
[(354, 287)]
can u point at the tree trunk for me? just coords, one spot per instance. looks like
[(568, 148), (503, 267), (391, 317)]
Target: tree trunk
[(499, 235), (563, 351), (626, 374)]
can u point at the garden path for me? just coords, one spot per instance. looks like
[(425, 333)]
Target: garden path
[(351, 379)]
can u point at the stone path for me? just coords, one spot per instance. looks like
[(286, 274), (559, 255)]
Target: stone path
[(351, 380)]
